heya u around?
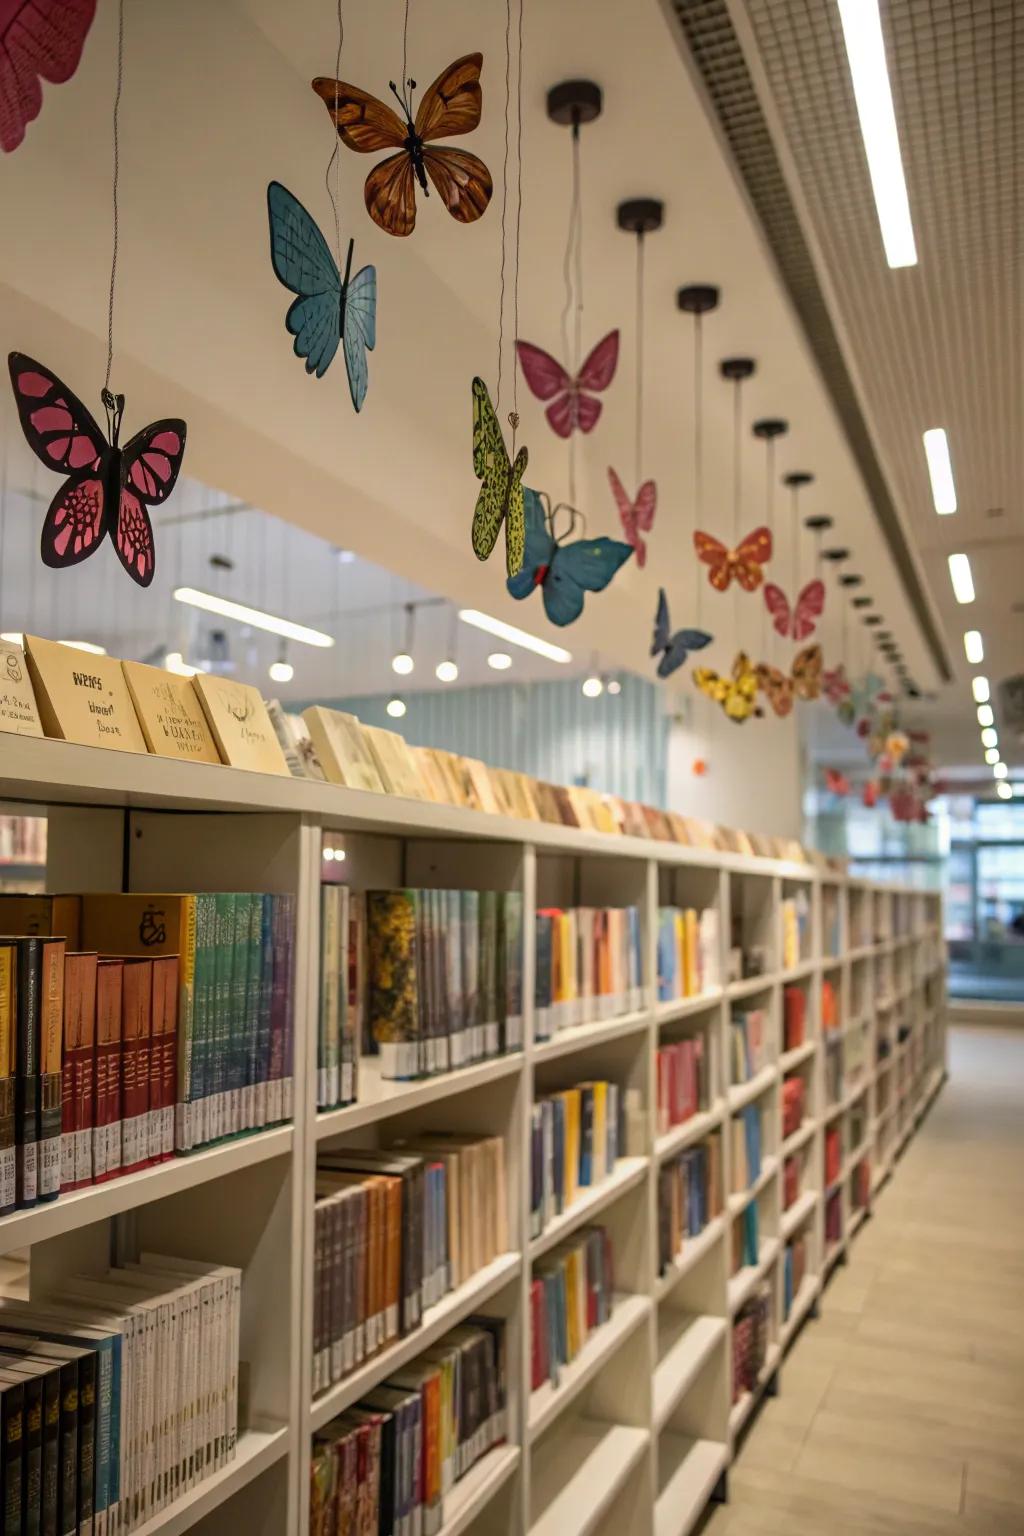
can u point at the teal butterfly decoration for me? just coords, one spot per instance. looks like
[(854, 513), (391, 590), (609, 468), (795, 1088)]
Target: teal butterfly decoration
[(564, 571), (328, 308)]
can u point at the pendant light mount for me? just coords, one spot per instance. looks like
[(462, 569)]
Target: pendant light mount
[(736, 369), (698, 298), (575, 102), (640, 215), (817, 524), (769, 428), (794, 480)]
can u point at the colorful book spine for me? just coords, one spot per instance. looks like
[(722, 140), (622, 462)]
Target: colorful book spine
[(29, 984), (106, 1141), (8, 1069), (136, 1033), (79, 1070)]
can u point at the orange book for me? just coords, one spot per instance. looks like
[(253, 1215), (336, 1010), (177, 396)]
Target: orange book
[(78, 1071), (163, 1058)]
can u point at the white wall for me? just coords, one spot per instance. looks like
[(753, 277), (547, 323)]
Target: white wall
[(754, 770)]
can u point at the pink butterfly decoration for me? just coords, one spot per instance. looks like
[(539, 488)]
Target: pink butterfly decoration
[(572, 399), (836, 685), (797, 622), (836, 783), (39, 40), (636, 516)]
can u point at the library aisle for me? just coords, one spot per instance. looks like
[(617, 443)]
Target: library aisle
[(901, 1411)]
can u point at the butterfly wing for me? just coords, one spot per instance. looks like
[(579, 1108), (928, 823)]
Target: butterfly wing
[(150, 464), (629, 517), (303, 262), (73, 526), (492, 468), (746, 561), (563, 414), (515, 521), (710, 683), (646, 505), (462, 181), (777, 603), (660, 637), (452, 105), (778, 688), (57, 426), (363, 122), (679, 647), (359, 331), (584, 410), (585, 565), (390, 194), (806, 673), (538, 548), (599, 365), (713, 553), (809, 607), (542, 373), (39, 40)]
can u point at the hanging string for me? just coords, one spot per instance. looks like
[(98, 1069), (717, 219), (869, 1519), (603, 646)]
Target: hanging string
[(769, 513), (698, 452), (405, 47), (117, 173), (513, 415), (334, 193), (638, 443), (737, 491), (519, 214), (572, 276)]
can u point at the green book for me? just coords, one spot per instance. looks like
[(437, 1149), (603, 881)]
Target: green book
[(221, 1020)]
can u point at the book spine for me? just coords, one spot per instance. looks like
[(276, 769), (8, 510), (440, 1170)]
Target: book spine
[(27, 1087), (50, 1497), (51, 1021), (106, 1158), (86, 1490), (33, 1471), (186, 1021), (12, 1430), (67, 1499), (8, 1067), (326, 1084), (266, 1004), (136, 1027)]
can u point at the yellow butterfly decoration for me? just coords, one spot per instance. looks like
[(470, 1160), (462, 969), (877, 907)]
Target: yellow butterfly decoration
[(736, 694), (804, 682)]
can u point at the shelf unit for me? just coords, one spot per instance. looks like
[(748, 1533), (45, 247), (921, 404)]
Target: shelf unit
[(637, 1436)]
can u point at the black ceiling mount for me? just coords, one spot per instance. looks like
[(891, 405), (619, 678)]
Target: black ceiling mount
[(873, 618), (850, 580), (836, 555), (640, 215), (798, 477), (222, 562), (698, 298), (574, 102), (885, 634), (863, 602), (818, 523), (736, 369), (770, 427)]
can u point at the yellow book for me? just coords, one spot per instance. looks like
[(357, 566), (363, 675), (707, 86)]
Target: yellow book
[(691, 952), (237, 716), (18, 712), (598, 1157), (340, 743), (82, 698), (170, 714), (430, 775), (571, 1096)]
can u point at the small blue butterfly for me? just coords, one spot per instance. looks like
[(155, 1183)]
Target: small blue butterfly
[(673, 649), (328, 308), (563, 571)]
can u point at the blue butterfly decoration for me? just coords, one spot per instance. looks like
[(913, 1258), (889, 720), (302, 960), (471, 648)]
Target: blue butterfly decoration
[(563, 571), (673, 648), (328, 308)]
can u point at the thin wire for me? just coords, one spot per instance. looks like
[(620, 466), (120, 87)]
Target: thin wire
[(117, 171), (504, 197), (737, 492), (769, 511), (698, 448), (334, 193), (405, 47), (572, 273), (519, 213), (578, 358), (638, 448), (567, 279)]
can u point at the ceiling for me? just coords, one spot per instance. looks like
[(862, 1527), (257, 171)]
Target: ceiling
[(216, 102)]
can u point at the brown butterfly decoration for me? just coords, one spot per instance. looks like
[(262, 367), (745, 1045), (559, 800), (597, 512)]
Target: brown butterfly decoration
[(804, 682), (452, 105)]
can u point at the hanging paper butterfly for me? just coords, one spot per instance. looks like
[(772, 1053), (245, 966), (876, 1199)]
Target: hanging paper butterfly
[(864, 701), (836, 783), (806, 673), (835, 684), (501, 492), (573, 404), (673, 648), (563, 570), (451, 106), (869, 794), (637, 516), (742, 563), (39, 40), (736, 694), (108, 487), (777, 687), (795, 623), (328, 308)]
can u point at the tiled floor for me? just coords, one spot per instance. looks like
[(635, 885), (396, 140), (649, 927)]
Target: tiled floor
[(901, 1411)]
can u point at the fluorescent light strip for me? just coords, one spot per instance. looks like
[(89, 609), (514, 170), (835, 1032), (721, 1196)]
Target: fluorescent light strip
[(960, 576), (513, 635), (940, 471), (254, 616), (974, 646), (14, 637), (865, 50), (980, 689)]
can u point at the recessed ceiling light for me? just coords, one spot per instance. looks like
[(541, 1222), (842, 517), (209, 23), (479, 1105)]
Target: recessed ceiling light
[(514, 635), (974, 646), (243, 614), (1004, 791), (999, 770), (985, 715), (980, 689), (865, 50), (990, 736), (940, 470), (991, 755), (499, 660), (960, 576)]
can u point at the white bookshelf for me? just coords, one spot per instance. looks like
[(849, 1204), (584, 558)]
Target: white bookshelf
[(636, 1437)]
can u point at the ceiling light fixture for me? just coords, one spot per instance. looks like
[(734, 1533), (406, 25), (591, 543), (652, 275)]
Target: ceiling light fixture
[(985, 715), (13, 637), (999, 770), (865, 50), (395, 707), (513, 635), (940, 471), (1004, 791), (990, 736), (960, 576), (446, 671), (402, 662), (281, 671), (980, 689), (592, 687), (974, 646), (614, 686), (499, 660), (243, 614), (991, 755), (175, 662)]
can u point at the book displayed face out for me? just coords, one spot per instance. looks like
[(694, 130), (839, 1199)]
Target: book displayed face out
[(18, 712), (170, 714), (342, 748), (395, 763), (238, 719), (81, 697)]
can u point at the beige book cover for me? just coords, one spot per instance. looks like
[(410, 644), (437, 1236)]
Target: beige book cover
[(527, 791), (486, 789), (395, 762), (81, 697), (237, 716), (341, 745), (171, 716), (18, 712), (430, 775), (450, 768)]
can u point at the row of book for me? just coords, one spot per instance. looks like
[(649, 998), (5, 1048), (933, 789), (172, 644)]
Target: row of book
[(427, 981), (751, 1330), (745, 1129), (588, 967), (689, 1197), (795, 913), (388, 1464), (576, 1138), (748, 1044), (571, 1294), (794, 1100), (794, 1268), (682, 1069), (118, 1395), (833, 1068), (394, 1231), (688, 952)]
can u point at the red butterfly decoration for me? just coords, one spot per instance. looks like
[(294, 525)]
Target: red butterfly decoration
[(836, 783), (108, 487), (744, 562), (572, 400), (39, 40), (869, 794), (636, 516), (836, 685), (795, 623)]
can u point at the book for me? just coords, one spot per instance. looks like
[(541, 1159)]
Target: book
[(82, 698), (342, 748), (78, 1092), (136, 1031), (576, 1137), (18, 712), (171, 717), (396, 765), (106, 1141), (689, 1197), (681, 1069), (8, 1071), (571, 1295), (39, 992), (588, 966), (239, 724), (163, 1064)]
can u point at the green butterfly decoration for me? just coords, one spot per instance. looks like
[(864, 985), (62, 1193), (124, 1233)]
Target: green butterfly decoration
[(501, 490)]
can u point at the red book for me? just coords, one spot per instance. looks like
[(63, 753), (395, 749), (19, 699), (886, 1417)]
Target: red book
[(538, 1336), (833, 1154), (163, 1058), (78, 1091), (136, 1026), (794, 1002), (106, 1141)]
